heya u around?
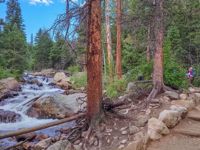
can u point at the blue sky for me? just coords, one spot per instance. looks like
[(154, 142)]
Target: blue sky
[(37, 13)]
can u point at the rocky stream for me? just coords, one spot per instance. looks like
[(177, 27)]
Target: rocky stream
[(35, 101)]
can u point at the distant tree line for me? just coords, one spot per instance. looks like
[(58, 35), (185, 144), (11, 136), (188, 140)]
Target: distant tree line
[(17, 55)]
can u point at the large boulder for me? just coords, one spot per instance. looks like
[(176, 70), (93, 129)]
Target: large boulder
[(9, 116), (189, 104), (7, 86), (61, 145), (61, 80), (182, 110), (156, 129), (172, 95), (56, 106), (170, 117)]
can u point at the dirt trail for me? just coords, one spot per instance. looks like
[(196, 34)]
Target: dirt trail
[(185, 136)]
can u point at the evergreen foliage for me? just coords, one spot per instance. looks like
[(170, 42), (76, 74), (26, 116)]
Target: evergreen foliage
[(181, 43), (43, 46)]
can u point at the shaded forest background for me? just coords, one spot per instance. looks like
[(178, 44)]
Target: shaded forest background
[(48, 49)]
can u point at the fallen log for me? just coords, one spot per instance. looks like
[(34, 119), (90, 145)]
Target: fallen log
[(40, 127)]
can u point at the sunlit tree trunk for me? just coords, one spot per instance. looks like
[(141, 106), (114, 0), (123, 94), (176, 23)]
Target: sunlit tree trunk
[(148, 44), (94, 59), (108, 38), (158, 56), (118, 46)]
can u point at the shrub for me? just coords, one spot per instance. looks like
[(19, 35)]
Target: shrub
[(5, 73), (115, 88), (196, 81), (144, 69), (79, 79), (174, 72), (73, 69)]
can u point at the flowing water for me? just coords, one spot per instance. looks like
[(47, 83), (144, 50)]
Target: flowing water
[(33, 87)]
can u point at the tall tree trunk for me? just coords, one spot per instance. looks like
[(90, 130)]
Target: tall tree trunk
[(108, 38), (94, 60), (118, 47), (148, 44), (158, 58)]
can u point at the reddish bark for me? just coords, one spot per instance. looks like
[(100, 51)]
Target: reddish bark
[(118, 47), (158, 57), (94, 59)]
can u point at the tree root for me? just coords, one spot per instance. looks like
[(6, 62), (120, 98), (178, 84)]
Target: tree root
[(156, 90), (152, 95)]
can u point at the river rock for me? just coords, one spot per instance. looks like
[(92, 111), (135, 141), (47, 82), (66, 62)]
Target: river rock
[(40, 137), (170, 117), (7, 86), (34, 81), (44, 144), (27, 136), (156, 129), (9, 116), (28, 145), (56, 106), (45, 72), (61, 145), (172, 95), (61, 80)]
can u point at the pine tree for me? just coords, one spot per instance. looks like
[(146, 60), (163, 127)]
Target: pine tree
[(13, 15), (13, 42), (59, 54), (118, 46), (14, 49), (158, 82), (94, 60), (43, 45)]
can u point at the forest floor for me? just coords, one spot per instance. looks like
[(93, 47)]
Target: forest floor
[(120, 133)]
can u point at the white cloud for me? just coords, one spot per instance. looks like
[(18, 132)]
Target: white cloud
[(46, 2)]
